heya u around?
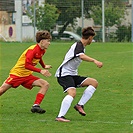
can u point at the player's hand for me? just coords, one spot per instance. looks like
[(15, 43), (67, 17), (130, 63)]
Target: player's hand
[(45, 73), (48, 66), (98, 63)]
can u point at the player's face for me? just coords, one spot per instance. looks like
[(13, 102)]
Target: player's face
[(45, 43)]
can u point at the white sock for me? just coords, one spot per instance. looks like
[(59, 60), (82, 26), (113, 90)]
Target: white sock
[(65, 105), (87, 95)]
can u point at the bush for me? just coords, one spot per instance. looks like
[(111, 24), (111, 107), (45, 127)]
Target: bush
[(123, 33)]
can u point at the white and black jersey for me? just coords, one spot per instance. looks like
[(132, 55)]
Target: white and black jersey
[(71, 61)]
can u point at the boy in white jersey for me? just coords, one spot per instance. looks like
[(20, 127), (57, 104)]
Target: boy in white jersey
[(68, 78)]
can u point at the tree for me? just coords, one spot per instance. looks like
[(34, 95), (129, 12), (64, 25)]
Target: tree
[(123, 36), (113, 14), (69, 10), (88, 4), (46, 16)]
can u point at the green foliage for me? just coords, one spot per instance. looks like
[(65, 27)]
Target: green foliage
[(108, 111), (123, 33), (46, 16), (113, 14), (79, 29), (69, 10), (73, 8), (89, 4)]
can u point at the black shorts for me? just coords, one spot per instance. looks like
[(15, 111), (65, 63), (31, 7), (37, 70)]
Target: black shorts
[(70, 81)]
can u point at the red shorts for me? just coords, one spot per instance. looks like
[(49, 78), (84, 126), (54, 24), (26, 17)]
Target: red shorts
[(16, 81)]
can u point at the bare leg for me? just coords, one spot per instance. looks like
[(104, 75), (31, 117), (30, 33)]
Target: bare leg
[(4, 88), (90, 81), (44, 85)]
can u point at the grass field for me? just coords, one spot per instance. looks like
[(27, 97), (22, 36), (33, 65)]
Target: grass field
[(109, 110)]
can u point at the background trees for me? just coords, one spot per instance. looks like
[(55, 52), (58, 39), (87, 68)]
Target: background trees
[(64, 13), (114, 14), (70, 10), (46, 16)]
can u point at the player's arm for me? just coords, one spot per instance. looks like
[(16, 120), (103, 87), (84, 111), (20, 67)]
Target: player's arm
[(29, 65), (43, 65), (28, 62), (89, 59)]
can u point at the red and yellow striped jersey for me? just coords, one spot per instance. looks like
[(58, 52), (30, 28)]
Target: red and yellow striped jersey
[(28, 60)]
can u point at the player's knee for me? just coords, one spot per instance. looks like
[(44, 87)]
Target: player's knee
[(94, 83), (44, 84), (72, 92)]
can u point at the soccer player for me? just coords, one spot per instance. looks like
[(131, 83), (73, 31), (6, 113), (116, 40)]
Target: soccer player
[(68, 78), (21, 73)]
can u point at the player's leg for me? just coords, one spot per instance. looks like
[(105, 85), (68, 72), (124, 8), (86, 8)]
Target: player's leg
[(44, 85), (8, 83), (4, 88), (90, 81), (65, 105), (89, 91), (66, 82)]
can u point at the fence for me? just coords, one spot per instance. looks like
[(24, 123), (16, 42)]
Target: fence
[(111, 20)]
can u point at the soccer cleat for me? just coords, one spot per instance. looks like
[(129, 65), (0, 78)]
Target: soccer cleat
[(37, 109), (80, 109), (62, 119)]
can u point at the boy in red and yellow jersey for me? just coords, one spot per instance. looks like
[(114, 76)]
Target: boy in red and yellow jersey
[(21, 73)]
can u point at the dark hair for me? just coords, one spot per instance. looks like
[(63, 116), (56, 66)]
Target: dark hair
[(87, 32), (42, 35)]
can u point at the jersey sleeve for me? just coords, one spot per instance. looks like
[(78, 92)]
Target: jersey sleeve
[(42, 63), (28, 61), (79, 49)]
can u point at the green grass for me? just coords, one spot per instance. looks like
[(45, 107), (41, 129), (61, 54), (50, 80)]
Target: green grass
[(109, 110)]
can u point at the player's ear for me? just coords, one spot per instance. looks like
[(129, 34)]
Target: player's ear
[(41, 41), (90, 37)]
